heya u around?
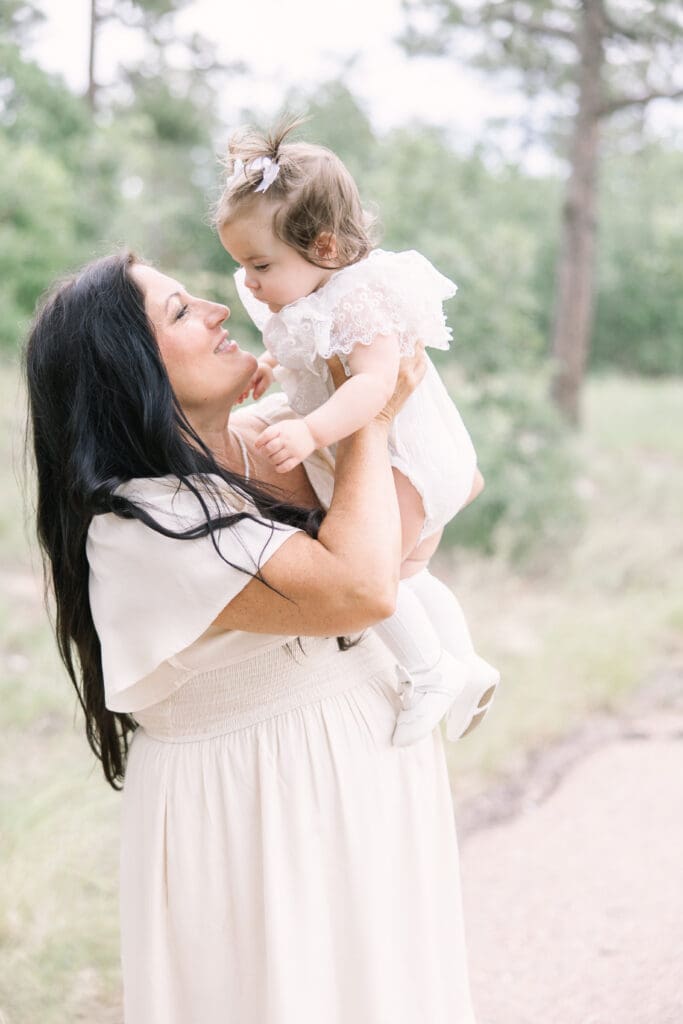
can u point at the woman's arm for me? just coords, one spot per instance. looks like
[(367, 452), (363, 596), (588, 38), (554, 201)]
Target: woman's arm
[(374, 370), (345, 580)]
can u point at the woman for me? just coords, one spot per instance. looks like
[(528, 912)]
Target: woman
[(281, 861)]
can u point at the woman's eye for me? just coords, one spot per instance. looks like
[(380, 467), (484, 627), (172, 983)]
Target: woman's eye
[(181, 313)]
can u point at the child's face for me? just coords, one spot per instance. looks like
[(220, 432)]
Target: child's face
[(275, 273)]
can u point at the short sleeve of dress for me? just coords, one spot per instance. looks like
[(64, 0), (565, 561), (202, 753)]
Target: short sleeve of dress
[(387, 293), (153, 595)]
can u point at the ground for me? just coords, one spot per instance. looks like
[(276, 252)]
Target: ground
[(572, 877)]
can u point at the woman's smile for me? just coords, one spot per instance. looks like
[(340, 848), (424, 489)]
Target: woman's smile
[(226, 344)]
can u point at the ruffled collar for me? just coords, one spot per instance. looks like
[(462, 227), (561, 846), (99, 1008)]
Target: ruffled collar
[(262, 315)]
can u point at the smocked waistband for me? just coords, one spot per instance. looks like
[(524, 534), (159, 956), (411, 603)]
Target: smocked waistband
[(273, 682)]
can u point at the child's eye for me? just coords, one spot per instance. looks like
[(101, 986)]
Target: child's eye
[(261, 266), (181, 313)]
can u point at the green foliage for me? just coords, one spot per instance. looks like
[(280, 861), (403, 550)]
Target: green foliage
[(18, 18), (73, 187), (336, 120), (639, 317), (56, 187), (528, 505), (37, 107), (36, 230)]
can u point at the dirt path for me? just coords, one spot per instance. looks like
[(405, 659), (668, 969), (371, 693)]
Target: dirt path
[(574, 904)]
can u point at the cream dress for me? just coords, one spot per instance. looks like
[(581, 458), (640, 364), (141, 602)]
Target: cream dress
[(281, 861)]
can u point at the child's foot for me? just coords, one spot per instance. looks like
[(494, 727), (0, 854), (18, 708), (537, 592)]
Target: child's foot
[(430, 696), (474, 699)]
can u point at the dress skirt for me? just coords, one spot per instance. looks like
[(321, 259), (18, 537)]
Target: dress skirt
[(282, 862)]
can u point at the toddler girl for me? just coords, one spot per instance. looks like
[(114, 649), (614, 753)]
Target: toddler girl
[(291, 215)]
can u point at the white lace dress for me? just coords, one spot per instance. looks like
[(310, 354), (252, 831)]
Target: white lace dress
[(281, 862), (386, 293)]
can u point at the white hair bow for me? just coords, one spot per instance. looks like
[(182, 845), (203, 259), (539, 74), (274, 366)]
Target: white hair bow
[(270, 168)]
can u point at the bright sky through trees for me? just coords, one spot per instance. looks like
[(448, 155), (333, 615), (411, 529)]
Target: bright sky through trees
[(286, 44)]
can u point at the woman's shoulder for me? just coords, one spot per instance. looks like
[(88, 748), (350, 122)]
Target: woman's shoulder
[(173, 503)]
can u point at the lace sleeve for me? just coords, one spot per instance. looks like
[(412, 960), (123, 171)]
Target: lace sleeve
[(359, 316), (388, 293)]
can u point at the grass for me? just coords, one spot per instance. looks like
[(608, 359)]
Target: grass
[(606, 615), (579, 635), (58, 843)]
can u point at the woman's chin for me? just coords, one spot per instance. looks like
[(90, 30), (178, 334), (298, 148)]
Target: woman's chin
[(242, 363), (251, 363)]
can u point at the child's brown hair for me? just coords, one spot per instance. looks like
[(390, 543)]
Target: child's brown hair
[(313, 195)]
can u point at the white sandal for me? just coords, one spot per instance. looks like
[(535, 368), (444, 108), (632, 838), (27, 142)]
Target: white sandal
[(471, 705), (427, 698)]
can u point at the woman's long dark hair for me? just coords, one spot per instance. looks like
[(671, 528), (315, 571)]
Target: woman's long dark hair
[(101, 412)]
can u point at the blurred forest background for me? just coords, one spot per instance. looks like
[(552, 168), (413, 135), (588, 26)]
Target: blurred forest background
[(566, 366)]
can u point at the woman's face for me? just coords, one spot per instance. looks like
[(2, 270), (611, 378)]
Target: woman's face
[(208, 371)]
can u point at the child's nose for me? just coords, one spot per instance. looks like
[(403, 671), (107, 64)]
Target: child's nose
[(251, 282)]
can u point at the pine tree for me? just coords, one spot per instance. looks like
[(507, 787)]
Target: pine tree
[(595, 56)]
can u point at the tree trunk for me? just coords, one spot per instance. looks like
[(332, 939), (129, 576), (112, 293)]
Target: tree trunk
[(92, 86), (573, 319)]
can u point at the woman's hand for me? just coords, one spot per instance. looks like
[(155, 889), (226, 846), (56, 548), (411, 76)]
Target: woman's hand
[(411, 370)]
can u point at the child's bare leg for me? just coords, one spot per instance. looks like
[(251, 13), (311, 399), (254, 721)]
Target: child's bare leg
[(412, 513), (420, 556), (415, 553), (429, 636)]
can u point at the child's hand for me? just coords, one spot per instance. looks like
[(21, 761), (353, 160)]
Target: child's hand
[(262, 379), (260, 382), (287, 444)]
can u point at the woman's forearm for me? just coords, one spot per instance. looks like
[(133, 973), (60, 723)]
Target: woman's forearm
[(362, 528), (347, 579)]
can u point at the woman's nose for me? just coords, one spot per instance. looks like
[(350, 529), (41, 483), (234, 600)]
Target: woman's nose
[(219, 313)]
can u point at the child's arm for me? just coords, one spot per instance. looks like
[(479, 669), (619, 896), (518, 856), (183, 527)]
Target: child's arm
[(374, 370)]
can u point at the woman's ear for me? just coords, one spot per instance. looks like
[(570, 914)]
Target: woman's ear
[(325, 247)]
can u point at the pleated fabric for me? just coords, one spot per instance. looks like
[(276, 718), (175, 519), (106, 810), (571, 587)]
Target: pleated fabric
[(281, 862)]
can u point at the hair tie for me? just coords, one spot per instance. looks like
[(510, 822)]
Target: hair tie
[(270, 169)]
